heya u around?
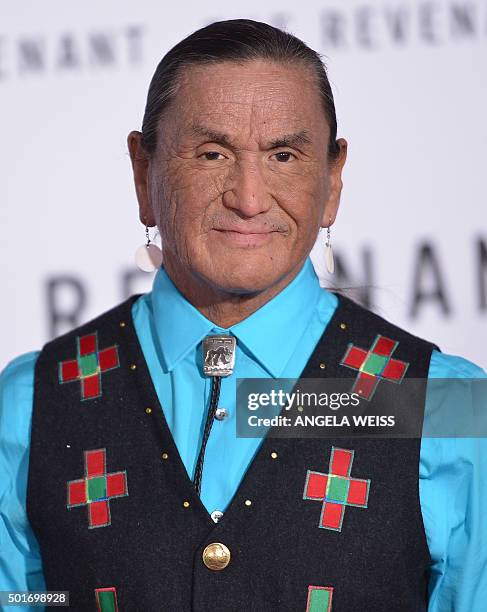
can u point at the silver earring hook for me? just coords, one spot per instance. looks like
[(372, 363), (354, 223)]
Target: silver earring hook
[(328, 233), (147, 235)]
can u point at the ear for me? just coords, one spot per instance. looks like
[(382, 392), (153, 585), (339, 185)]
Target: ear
[(335, 184), (140, 166)]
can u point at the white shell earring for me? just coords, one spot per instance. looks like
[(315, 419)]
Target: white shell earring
[(148, 257), (329, 259)]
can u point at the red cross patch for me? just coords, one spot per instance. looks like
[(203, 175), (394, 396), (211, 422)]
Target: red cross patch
[(97, 488), (373, 365), (337, 489), (89, 365)]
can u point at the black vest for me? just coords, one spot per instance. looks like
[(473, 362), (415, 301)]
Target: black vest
[(99, 435)]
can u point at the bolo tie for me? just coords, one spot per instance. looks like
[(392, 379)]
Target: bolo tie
[(218, 361)]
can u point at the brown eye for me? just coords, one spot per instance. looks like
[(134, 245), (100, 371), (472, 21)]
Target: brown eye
[(284, 156), (211, 155)]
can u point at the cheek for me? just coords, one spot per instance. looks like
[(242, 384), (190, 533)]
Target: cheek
[(183, 195), (300, 195)]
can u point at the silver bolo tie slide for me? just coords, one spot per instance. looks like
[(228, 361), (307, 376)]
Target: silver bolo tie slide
[(218, 361), (219, 355)]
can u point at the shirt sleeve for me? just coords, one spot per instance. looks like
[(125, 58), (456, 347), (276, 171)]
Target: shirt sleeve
[(453, 494), (20, 560)]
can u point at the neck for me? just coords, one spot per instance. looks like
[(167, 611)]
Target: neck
[(222, 307)]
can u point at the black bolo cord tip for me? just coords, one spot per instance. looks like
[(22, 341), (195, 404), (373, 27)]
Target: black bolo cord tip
[(215, 396)]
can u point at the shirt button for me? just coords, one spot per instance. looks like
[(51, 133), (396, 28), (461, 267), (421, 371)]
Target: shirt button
[(216, 556), (221, 413), (216, 515)]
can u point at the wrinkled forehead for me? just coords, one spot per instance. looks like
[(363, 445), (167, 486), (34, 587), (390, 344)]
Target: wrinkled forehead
[(257, 99)]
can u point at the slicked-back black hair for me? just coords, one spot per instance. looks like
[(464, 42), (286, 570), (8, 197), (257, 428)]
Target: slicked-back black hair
[(232, 40)]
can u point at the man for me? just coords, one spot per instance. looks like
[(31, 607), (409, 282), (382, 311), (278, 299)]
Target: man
[(124, 482)]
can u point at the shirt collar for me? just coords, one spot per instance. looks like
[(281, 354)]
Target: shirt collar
[(271, 333)]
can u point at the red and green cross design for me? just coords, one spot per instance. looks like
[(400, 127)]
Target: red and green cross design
[(374, 365), (89, 365), (106, 599), (319, 598), (97, 488), (337, 489)]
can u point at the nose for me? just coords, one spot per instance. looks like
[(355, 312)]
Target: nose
[(246, 191)]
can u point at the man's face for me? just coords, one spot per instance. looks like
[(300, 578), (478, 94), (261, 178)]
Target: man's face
[(241, 182)]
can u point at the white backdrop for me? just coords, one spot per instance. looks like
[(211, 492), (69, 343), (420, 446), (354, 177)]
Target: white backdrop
[(409, 80)]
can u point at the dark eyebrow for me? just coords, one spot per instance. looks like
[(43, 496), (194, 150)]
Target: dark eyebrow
[(288, 140), (291, 140)]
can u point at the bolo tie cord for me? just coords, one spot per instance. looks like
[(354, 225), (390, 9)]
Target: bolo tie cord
[(215, 396)]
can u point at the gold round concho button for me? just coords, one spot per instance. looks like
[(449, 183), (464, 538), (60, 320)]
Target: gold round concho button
[(216, 556)]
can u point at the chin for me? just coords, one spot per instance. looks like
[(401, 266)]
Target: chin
[(246, 274)]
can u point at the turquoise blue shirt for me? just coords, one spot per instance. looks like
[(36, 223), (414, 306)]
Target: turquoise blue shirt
[(275, 341)]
